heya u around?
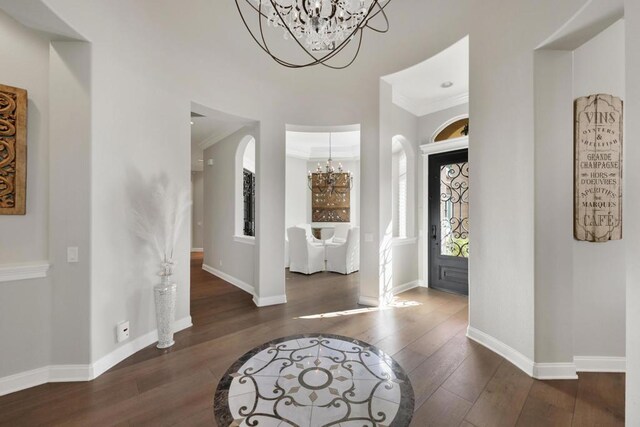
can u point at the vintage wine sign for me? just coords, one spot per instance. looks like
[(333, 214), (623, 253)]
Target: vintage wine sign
[(598, 168)]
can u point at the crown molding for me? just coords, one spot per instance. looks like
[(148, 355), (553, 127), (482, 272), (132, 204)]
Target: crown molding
[(219, 136), (422, 107), (350, 153)]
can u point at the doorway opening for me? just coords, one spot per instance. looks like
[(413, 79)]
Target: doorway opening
[(223, 179), (322, 207)]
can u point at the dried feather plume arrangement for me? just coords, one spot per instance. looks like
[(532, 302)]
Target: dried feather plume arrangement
[(159, 214)]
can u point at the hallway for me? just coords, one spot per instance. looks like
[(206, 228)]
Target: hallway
[(456, 381)]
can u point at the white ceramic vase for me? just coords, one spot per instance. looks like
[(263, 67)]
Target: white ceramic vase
[(165, 298)]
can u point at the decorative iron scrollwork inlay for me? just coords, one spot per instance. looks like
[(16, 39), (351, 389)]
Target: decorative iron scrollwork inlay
[(454, 209)]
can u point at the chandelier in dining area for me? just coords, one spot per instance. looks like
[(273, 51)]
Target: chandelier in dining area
[(330, 181), (322, 29)]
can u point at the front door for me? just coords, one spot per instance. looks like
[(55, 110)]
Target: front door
[(449, 222)]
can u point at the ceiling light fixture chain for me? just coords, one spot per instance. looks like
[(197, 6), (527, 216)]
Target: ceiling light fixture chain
[(331, 180), (321, 28)]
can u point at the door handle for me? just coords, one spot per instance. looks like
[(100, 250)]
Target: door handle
[(434, 232)]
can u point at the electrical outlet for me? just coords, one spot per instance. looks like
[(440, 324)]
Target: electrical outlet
[(220, 263), (368, 237), (72, 254), (122, 331)]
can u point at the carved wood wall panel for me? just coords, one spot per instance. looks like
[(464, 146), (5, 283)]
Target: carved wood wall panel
[(13, 150), (334, 206)]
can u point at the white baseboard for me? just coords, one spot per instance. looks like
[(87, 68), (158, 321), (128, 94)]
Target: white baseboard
[(407, 287), (227, 278), (75, 373), (548, 371), (258, 301), (555, 371), (22, 380), (197, 249), (267, 301), (110, 360), (511, 354), (368, 301), (71, 373), (600, 364)]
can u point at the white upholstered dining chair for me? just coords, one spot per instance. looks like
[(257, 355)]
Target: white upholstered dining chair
[(304, 256), (345, 258), (309, 233), (340, 232)]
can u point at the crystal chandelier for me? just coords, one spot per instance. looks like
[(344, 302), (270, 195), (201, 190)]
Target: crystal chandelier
[(321, 28), (331, 180)]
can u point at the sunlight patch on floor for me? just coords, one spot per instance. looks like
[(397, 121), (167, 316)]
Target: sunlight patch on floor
[(395, 303)]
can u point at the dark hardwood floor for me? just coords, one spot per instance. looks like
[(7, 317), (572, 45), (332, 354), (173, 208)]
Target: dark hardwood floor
[(456, 381)]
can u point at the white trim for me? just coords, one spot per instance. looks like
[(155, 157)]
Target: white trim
[(445, 146), (119, 354), (548, 371), (402, 241), (555, 371), (422, 107), (214, 138), (13, 272), (267, 301), (324, 129), (71, 373), (406, 287), (197, 249), (247, 240), (227, 278), (600, 364), (257, 300), (368, 301), (75, 373), (511, 354), (23, 380)]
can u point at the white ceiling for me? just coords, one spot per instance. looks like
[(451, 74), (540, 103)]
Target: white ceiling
[(419, 89), (315, 145)]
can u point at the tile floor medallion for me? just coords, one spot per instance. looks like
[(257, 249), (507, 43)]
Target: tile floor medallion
[(314, 380)]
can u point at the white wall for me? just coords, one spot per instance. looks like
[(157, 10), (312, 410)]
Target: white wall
[(25, 238), (501, 152), (554, 207), (580, 286), (298, 201), (47, 321), (197, 210), (70, 201), (599, 270), (632, 210), (221, 251)]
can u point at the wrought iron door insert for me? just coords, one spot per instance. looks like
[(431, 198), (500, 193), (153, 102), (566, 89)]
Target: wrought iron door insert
[(449, 221)]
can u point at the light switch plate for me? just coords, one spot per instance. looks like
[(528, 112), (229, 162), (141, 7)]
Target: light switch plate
[(368, 237), (72, 254)]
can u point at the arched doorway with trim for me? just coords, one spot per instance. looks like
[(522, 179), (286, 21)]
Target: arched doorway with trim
[(445, 201)]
